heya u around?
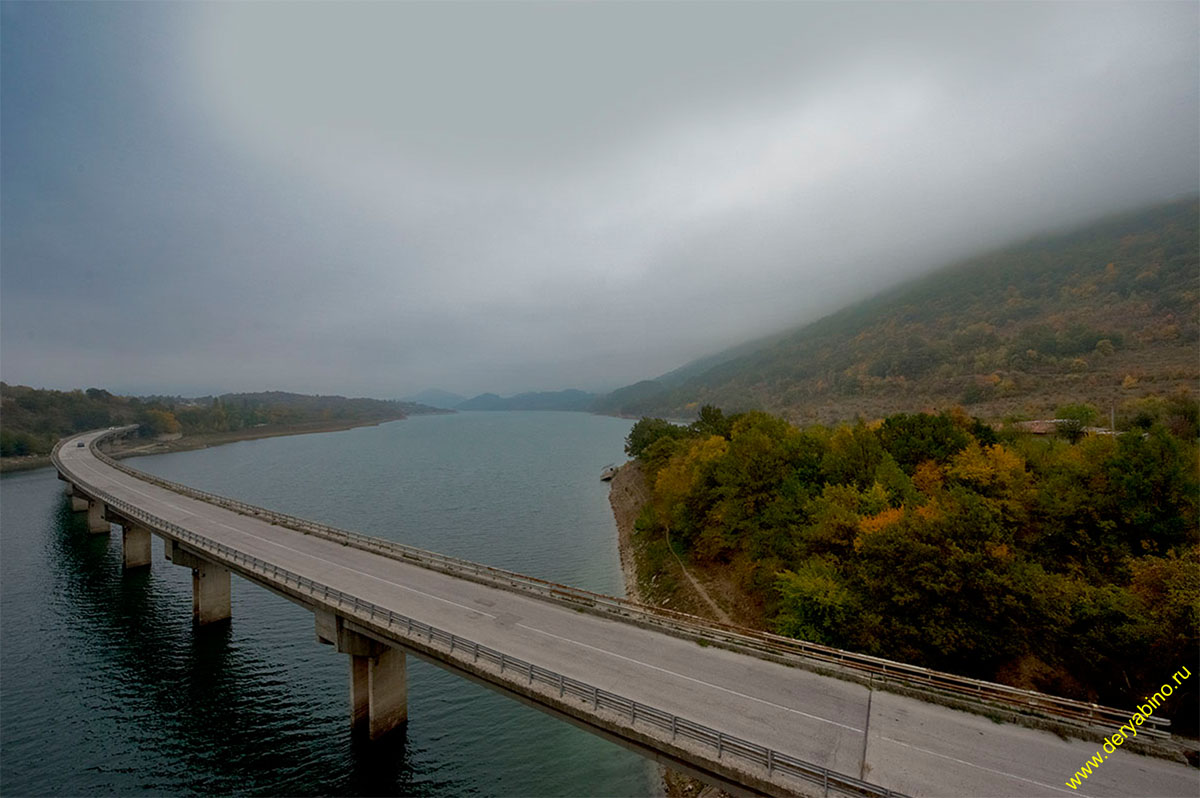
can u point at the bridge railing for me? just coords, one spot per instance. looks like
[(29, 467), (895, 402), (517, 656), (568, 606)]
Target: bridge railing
[(976, 691), (665, 725)]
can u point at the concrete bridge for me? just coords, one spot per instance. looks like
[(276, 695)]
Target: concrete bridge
[(752, 712)]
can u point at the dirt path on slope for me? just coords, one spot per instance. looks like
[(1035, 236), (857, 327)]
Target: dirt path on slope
[(628, 494), (720, 614)]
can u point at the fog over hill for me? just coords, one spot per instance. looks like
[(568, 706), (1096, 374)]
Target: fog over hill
[(371, 199), (1103, 314)]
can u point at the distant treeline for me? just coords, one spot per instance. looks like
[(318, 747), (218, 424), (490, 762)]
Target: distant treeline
[(32, 419), (1068, 564)]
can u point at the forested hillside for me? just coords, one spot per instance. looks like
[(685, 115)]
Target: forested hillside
[(1102, 314), (32, 419), (1065, 564)]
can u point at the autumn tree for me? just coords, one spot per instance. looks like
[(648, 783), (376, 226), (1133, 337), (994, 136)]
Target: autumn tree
[(161, 422)]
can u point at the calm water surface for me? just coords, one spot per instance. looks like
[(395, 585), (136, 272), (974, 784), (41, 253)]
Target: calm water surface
[(105, 687)]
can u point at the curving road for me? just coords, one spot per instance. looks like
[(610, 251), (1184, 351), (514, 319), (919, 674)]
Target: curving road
[(910, 746)]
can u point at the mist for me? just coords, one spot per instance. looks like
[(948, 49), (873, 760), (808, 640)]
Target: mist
[(374, 199)]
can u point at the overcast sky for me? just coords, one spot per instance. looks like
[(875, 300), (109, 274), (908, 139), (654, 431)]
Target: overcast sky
[(380, 198)]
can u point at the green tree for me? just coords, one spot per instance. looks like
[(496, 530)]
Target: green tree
[(711, 422), (1070, 429), (1155, 491), (815, 604), (1086, 414), (854, 455), (912, 439), (648, 430)]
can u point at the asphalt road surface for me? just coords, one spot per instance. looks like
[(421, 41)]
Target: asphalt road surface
[(913, 747)]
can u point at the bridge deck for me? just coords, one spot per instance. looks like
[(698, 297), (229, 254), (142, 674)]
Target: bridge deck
[(914, 747)]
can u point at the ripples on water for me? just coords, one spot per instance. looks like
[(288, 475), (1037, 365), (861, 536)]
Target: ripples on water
[(105, 687)]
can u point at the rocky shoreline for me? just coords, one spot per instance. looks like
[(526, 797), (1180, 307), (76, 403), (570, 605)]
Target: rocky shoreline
[(628, 494)]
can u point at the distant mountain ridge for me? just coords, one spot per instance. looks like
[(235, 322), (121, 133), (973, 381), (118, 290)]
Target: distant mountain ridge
[(1102, 313), (569, 399), (435, 397)]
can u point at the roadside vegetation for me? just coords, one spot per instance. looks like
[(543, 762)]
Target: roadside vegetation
[(1065, 563), (32, 419)]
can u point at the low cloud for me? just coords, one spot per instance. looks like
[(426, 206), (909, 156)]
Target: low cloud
[(378, 198)]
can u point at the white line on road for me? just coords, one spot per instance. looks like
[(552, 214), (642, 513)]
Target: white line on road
[(981, 767), (240, 531), (689, 678)]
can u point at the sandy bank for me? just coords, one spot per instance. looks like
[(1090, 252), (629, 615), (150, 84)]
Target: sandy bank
[(133, 447), (24, 463)]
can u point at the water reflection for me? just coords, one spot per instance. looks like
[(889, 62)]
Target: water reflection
[(106, 687), (231, 718)]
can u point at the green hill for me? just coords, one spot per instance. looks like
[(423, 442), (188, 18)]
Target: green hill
[(1103, 314)]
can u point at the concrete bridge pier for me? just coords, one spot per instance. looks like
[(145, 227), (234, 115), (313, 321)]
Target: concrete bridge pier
[(211, 600), (378, 677), (211, 595), (135, 543), (378, 691), (97, 518), (79, 503)]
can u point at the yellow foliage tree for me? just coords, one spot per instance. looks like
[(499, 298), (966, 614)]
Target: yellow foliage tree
[(162, 422), (998, 474), (994, 467), (679, 475)]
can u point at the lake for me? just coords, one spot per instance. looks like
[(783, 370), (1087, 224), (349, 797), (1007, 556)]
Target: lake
[(105, 686)]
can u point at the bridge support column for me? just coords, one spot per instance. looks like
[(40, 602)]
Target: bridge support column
[(135, 541), (78, 503), (378, 691), (378, 677), (96, 517), (210, 585), (210, 594)]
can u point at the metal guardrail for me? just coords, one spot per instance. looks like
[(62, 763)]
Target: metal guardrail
[(406, 628), (981, 692)]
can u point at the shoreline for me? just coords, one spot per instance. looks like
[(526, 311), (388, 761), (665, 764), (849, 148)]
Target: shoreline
[(137, 447), (628, 493), (29, 462), (209, 439)]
